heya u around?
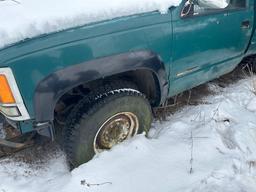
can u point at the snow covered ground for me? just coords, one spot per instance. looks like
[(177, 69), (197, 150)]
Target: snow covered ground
[(21, 19), (210, 147)]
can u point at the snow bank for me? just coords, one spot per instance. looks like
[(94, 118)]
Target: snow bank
[(29, 18), (222, 154)]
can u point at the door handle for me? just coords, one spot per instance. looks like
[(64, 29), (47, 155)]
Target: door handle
[(245, 24)]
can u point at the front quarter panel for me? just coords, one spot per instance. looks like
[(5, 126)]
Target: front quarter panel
[(34, 60)]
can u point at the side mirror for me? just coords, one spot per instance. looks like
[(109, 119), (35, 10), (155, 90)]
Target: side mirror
[(213, 4), (188, 10)]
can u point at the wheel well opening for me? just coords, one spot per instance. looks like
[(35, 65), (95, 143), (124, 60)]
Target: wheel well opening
[(145, 80)]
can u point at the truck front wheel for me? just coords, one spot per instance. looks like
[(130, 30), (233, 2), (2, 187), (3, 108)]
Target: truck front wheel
[(105, 119)]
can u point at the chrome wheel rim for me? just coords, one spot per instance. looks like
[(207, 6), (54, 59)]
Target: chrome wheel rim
[(115, 130)]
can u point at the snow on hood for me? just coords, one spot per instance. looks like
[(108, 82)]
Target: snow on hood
[(21, 19)]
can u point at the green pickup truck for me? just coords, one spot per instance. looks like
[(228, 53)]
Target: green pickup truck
[(94, 86)]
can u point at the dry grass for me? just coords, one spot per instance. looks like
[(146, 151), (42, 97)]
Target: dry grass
[(195, 96)]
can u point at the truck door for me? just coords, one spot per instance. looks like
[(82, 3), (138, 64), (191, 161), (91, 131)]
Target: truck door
[(240, 23), (204, 39)]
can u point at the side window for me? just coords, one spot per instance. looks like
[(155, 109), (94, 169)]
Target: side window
[(237, 4), (201, 7)]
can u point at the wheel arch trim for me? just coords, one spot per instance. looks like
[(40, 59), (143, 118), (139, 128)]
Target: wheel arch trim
[(55, 85)]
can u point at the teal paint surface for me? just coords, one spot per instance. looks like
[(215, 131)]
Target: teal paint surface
[(207, 46), (26, 126)]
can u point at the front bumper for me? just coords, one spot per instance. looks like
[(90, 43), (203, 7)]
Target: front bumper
[(13, 111)]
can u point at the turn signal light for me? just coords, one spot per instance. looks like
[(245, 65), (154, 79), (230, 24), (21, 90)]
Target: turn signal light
[(6, 96)]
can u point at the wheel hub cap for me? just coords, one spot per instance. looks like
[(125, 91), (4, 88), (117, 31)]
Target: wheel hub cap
[(115, 130)]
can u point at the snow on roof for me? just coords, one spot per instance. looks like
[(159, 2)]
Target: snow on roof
[(21, 19)]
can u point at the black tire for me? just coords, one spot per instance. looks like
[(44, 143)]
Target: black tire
[(89, 115)]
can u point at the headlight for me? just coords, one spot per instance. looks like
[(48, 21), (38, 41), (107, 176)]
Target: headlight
[(10, 111), (11, 103)]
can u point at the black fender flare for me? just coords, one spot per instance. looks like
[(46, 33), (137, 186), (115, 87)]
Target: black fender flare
[(55, 85)]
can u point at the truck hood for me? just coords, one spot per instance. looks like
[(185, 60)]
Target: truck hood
[(30, 19), (95, 30)]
